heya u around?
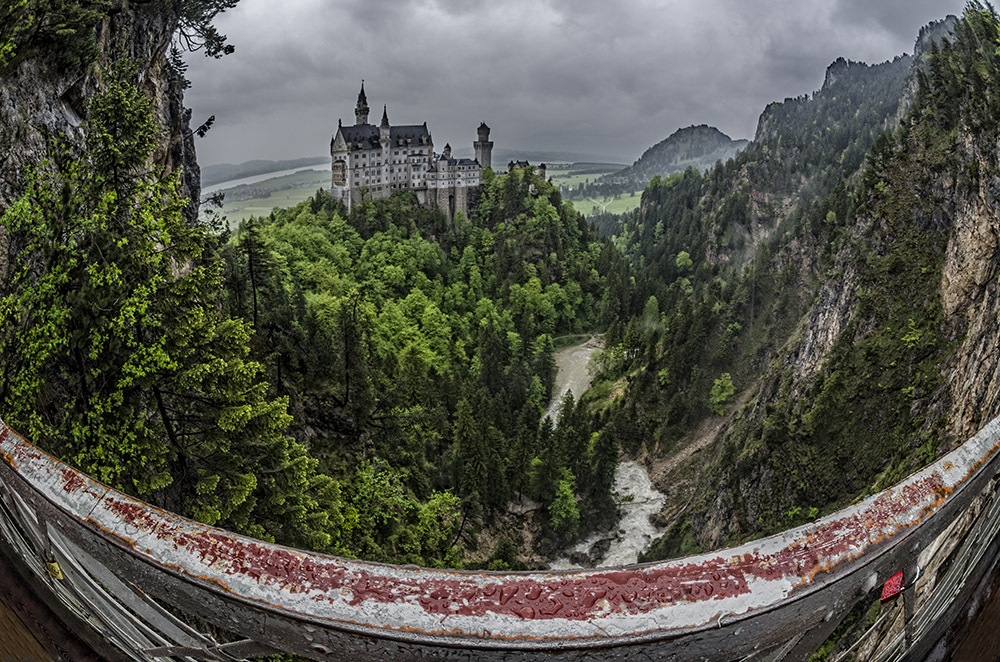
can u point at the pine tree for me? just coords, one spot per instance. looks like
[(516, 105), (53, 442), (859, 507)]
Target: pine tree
[(472, 459), (604, 463), (563, 511)]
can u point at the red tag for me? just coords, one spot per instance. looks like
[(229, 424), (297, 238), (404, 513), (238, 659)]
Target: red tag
[(893, 586)]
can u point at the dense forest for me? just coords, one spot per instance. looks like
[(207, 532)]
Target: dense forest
[(372, 383), (369, 384), (416, 354)]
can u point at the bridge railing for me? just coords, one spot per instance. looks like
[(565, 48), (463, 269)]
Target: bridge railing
[(131, 578)]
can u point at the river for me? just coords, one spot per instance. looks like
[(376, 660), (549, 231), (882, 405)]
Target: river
[(634, 494), (208, 190), (572, 373), (637, 502)]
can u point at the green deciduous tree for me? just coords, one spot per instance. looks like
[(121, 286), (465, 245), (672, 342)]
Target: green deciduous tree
[(722, 392), (563, 511), (116, 354)]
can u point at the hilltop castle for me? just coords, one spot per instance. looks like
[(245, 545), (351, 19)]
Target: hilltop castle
[(371, 162)]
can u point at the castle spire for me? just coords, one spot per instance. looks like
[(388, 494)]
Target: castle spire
[(385, 131), (361, 110)]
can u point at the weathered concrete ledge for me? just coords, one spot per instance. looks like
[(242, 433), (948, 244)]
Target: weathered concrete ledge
[(756, 598)]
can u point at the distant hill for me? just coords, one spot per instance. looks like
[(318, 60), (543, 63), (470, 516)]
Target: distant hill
[(225, 172), (696, 146)]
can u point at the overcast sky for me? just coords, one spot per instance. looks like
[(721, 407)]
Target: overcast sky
[(600, 77)]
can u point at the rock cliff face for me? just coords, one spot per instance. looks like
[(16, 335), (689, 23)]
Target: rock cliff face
[(970, 294), (39, 102), (898, 358)]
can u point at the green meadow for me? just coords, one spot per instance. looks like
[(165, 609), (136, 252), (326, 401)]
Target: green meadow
[(286, 191)]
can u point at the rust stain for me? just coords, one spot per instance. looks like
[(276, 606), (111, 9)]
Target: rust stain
[(72, 480), (587, 595), (573, 597)]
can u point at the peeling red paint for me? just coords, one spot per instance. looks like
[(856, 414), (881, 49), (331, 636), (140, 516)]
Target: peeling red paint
[(211, 555), (640, 590), (72, 480), (134, 513), (574, 597), (21, 449)]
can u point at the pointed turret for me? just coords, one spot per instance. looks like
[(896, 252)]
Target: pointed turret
[(384, 130), (361, 110)]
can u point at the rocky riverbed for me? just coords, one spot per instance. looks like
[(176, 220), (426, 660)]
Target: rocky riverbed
[(638, 501)]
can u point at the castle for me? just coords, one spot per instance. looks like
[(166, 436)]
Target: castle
[(371, 162)]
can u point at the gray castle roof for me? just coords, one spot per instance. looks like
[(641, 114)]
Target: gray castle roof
[(368, 134)]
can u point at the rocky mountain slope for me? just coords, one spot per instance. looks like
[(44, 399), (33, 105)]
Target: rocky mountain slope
[(44, 98), (819, 313), (896, 360)]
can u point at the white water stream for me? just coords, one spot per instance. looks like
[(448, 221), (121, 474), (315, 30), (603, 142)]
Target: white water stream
[(638, 501), (634, 494)]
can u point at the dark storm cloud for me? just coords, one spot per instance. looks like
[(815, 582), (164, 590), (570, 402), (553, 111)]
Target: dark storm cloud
[(588, 76)]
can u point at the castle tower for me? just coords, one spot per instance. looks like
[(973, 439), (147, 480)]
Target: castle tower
[(361, 110), (384, 129), (484, 146)]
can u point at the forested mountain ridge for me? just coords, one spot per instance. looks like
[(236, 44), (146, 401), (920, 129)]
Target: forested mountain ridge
[(691, 147), (825, 319), (896, 361), (804, 146), (702, 243)]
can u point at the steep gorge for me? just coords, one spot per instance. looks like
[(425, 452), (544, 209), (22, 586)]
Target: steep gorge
[(864, 343)]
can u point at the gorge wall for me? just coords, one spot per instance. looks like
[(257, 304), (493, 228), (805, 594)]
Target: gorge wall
[(42, 100), (896, 359)]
